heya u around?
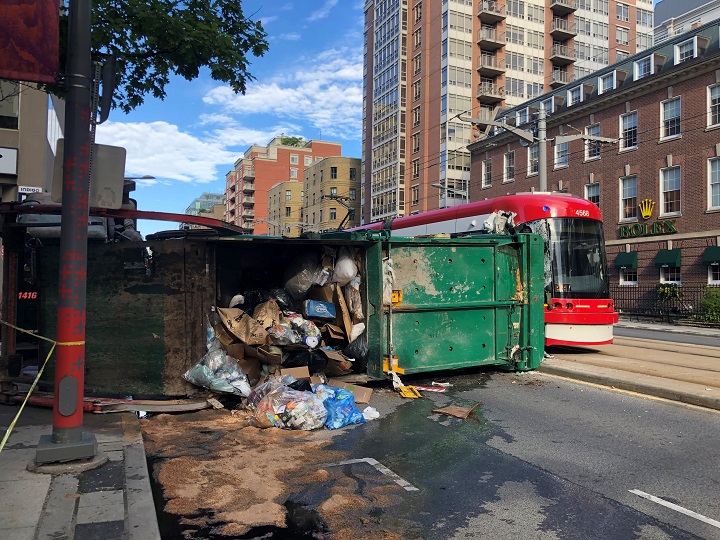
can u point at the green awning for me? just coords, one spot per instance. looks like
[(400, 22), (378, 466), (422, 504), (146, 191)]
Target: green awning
[(668, 257), (711, 255), (626, 260)]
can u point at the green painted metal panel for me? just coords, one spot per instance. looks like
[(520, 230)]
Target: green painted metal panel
[(466, 302)]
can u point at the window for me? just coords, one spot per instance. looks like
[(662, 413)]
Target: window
[(600, 6), (487, 173), (294, 159), (515, 34), (607, 82), (333, 173), (622, 12), (561, 155), (621, 55), (643, 67), (670, 191), (622, 36), (536, 39), (600, 30), (353, 173), (415, 138), (416, 90), (714, 274), (516, 8), (534, 89), (685, 51), (536, 13), (574, 95), (9, 104), (714, 183), (670, 274), (308, 160), (592, 148), (417, 64), (514, 87), (670, 118), (509, 167), (514, 61), (521, 116), (416, 116), (415, 164), (714, 105), (628, 276), (293, 172), (583, 26), (320, 216), (533, 161), (629, 131), (333, 213), (592, 193), (415, 195), (628, 198), (417, 38), (417, 12), (333, 191), (548, 105), (643, 41), (288, 211), (645, 18), (352, 194), (288, 195)]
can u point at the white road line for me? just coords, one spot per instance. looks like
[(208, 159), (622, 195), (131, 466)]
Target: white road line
[(407, 486), (675, 507)]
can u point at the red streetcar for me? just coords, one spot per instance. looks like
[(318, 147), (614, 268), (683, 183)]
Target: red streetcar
[(579, 310)]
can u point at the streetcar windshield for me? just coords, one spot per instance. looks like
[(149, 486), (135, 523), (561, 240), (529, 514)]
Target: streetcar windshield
[(575, 262)]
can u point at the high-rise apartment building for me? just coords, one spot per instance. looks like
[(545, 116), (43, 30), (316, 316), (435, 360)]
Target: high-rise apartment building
[(428, 62), (260, 168)]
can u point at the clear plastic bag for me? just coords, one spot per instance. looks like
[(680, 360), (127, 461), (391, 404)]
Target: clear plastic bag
[(353, 299), (219, 372), (301, 274), (290, 409), (283, 334)]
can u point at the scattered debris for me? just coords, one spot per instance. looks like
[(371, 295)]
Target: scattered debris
[(457, 412)]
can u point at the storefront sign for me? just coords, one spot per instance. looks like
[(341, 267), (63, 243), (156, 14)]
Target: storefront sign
[(648, 229)]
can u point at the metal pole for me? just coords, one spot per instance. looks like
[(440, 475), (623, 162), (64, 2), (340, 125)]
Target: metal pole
[(542, 149), (68, 442)]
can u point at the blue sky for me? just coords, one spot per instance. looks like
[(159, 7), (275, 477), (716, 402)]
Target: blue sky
[(308, 84)]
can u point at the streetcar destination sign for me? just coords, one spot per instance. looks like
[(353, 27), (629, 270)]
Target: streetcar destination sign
[(648, 229)]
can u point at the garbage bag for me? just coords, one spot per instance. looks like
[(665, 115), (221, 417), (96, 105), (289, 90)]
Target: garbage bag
[(340, 405), (358, 350), (315, 361), (262, 390), (302, 273), (353, 299), (345, 267), (255, 298), (283, 334), (219, 372), (291, 409)]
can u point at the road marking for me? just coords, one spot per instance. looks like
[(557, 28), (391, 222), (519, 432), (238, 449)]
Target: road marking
[(407, 486), (675, 507)]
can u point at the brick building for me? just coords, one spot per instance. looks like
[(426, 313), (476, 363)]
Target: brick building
[(327, 183), (659, 186), (427, 62), (285, 207), (260, 168)]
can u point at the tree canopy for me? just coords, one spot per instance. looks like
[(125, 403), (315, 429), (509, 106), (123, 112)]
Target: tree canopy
[(292, 141), (154, 39)]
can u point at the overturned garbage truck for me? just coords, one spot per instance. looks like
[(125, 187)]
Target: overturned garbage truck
[(366, 302)]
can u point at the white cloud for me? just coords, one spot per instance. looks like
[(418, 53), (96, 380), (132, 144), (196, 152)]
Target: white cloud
[(327, 96), (292, 36), (323, 12)]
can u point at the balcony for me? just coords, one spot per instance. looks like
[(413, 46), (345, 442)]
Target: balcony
[(563, 7), (562, 30), (489, 92), (562, 55), (248, 171), (558, 78), (491, 12), (249, 187), (248, 213), (248, 199), (490, 39), (488, 66)]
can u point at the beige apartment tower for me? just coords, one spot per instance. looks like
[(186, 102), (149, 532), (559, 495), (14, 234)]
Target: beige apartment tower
[(285, 206), (331, 186), (429, 62)]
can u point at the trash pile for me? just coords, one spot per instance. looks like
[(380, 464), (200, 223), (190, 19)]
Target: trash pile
[(276, 348)]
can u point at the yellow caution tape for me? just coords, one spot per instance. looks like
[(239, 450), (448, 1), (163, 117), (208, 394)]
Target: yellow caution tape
[(40, 372)]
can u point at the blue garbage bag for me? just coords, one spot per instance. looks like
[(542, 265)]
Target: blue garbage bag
[(340, 405)]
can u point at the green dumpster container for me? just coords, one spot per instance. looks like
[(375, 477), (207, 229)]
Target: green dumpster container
[(460, 302)]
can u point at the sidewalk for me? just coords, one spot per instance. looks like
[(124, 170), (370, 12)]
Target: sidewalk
[(674, 371), (111, 502)]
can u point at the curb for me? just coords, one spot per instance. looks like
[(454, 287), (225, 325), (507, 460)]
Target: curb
[(648, 388)]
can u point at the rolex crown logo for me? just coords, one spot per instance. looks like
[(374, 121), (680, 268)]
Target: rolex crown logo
[(646, 208)]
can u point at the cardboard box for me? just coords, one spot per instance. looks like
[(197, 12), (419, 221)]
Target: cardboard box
[(297, 372), (249, 365), (267, 357), (360, 393), (337, 364), (323, 294)]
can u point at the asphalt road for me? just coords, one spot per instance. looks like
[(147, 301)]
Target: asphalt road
[(542, 458)]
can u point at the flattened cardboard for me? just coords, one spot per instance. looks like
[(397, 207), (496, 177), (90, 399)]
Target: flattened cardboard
[(301, 372), (223, 336), (242, 326), (360, 393), (325, 293), (344, 314), (267, 357), (457, 412)]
